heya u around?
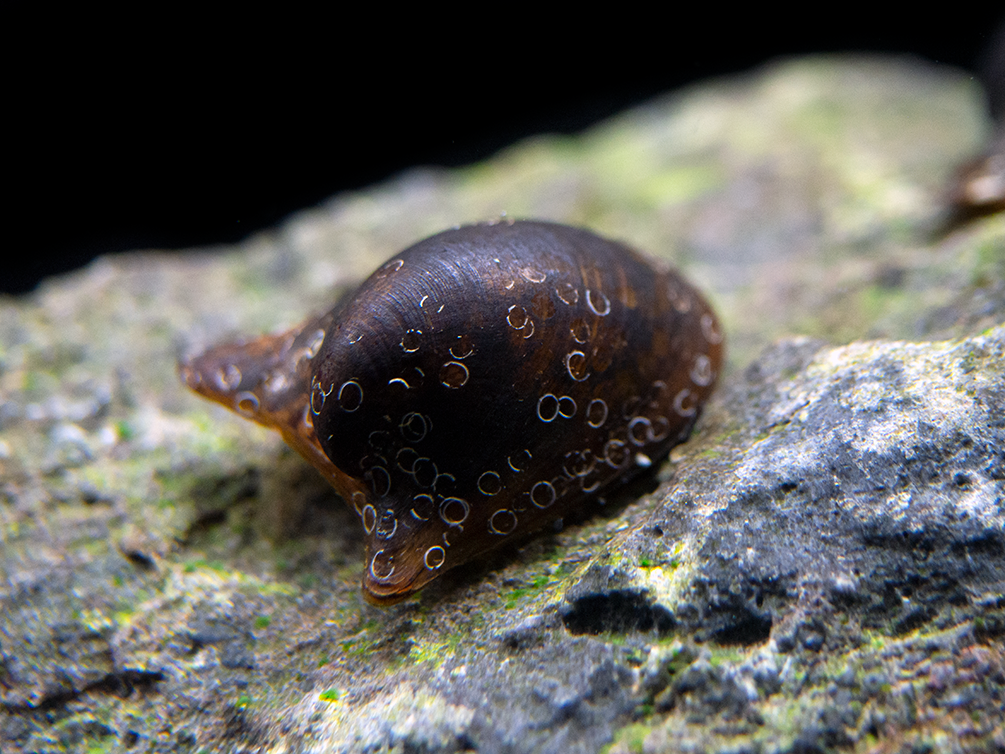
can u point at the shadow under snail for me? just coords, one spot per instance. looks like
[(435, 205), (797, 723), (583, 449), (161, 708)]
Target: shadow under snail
[(479, 385)]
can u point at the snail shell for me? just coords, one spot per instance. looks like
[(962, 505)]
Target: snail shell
[(480, 384)]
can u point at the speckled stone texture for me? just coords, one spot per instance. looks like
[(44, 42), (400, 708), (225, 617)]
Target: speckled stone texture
[(820, 568)]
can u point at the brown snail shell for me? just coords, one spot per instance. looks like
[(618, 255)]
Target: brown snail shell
[(480, 384)]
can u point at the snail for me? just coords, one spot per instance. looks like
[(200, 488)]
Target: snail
[(977, 187), (480, 384)]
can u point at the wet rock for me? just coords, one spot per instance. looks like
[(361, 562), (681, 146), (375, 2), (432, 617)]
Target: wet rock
[(869, 482), (231, 640)]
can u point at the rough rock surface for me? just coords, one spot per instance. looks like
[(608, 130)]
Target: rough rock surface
[(821, 567)]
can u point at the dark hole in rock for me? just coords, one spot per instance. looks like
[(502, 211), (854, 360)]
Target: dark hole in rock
[(140, 560), (745, 627), (124, 682), (989, 627), (617, 612), (912, 619), (988, 543)]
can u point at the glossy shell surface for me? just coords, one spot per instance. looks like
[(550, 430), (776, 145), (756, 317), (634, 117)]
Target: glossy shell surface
[(480, 384)]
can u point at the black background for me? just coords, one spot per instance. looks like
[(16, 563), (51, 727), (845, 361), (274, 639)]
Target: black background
[(127, 133)]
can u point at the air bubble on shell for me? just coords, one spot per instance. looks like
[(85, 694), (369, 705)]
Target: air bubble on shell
[(701, 372), (519, 461), (434, 557), (462, 348), (385, 567), (369, 515), (228, 378), (503, 521), (411, 340), (389, 267), (387, 525), (599, 303), (414, 427), (568, 294), (532, 275), (547, 407), (566, 407), (489, 483), (246, 403), (454, 511), (575, 365), (681, 399), (517, 317), (453, 374), (542, 494), (423, 507), (350, 396), (710, 330), (596, 413)]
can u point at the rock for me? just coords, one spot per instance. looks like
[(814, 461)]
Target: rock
[(869, 482)]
